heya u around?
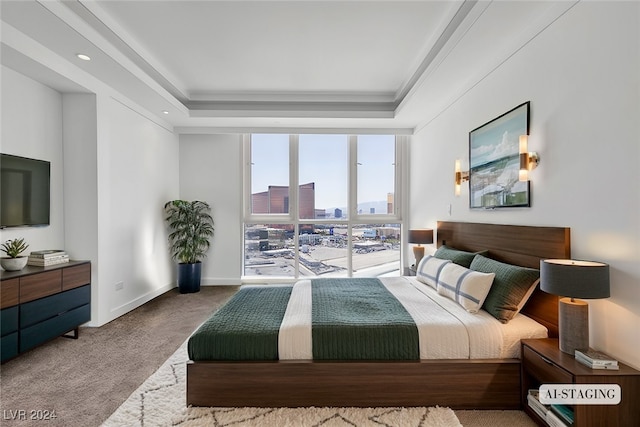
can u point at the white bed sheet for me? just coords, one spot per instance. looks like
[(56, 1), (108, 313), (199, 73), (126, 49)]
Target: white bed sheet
[(445, 329)]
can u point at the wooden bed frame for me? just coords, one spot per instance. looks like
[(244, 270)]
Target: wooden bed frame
[(459, 384)]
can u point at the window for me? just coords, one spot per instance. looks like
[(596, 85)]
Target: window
[(270, 174), (322, 175), (376, 173), (269, 250), (341, 220), (376, 249)]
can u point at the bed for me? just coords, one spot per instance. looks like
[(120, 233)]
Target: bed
[(488, 381)]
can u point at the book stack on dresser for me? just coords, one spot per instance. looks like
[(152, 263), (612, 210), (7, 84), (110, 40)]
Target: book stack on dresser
[(47, 257)]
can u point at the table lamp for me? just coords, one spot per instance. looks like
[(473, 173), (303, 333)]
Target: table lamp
[(574, 279), (420, 237)]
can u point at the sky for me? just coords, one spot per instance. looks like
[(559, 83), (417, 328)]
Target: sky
[(323, 160)]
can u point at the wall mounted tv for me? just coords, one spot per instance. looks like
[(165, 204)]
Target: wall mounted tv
[(25, 191)]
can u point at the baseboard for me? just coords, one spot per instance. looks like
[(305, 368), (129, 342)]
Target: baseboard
[(206, 281), (132, 305)]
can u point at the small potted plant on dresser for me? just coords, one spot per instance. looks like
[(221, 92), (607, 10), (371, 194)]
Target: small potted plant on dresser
[(13, 248), (191, 229)]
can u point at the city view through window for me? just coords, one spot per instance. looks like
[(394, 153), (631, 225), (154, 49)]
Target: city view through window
[(316, 236)]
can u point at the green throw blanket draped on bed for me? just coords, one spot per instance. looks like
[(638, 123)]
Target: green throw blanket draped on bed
[(360, 319), (352, 319), (245, 328)]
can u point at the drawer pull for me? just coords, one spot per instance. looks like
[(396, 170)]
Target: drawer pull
[(547, 361)]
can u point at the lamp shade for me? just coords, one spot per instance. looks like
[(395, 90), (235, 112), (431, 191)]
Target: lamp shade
[(422, 236), (574, 279)]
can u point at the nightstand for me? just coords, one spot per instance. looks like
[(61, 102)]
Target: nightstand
[(544, 363)]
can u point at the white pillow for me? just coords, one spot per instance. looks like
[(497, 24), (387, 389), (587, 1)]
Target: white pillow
[(429, 269), (468, 288), (527, 295)]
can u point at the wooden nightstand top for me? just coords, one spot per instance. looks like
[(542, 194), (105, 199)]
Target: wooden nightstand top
[(548, 348)]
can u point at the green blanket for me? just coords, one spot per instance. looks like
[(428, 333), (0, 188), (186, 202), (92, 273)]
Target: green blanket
[(245, 328), (352, 319), (360, 319)]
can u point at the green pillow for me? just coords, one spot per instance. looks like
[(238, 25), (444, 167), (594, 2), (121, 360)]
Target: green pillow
[(511, 287), (457, 256)]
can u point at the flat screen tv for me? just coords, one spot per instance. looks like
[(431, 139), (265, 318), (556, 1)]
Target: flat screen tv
[(25, 191)]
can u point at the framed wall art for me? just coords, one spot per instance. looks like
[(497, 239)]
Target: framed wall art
[(494, 162)]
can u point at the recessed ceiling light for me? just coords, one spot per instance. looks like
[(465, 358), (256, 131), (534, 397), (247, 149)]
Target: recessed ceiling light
[(83, 56)]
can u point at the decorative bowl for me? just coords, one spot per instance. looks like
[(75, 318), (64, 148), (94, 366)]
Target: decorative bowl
[(13, 264)]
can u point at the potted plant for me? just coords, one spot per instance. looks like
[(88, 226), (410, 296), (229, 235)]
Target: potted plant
[(191, 229), (13, 248)]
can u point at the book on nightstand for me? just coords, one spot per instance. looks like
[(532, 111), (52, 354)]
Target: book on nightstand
[(533, 399), (554, 415), (554, 421), (564, 412), (596, 359)]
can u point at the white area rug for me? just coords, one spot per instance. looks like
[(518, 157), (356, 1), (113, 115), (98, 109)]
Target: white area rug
[(161, 401)]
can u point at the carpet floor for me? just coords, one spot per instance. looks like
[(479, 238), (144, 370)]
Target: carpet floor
[(82, 382)]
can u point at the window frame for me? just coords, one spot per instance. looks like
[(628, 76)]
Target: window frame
[(353, 218)]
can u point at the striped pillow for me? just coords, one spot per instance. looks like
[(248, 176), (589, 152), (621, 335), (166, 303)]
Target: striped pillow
[(429, 269), (467, 287)]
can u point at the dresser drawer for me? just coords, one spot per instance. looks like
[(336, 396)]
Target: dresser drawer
[(46, 308), (74, 277), (9, 346), (54, 327), (8, 320), (545, 370), (9, 292), (40, 285)]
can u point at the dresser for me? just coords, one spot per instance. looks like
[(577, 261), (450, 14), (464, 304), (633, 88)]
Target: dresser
[(38, 304)]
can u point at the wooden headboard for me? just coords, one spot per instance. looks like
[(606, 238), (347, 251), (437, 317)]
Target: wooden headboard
[(514, 244)]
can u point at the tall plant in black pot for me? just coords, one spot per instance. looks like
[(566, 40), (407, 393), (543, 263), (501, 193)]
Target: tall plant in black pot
[(191, 230)]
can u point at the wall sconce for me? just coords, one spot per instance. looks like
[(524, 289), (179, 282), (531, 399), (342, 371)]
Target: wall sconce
[(528, 159), (460, 177)]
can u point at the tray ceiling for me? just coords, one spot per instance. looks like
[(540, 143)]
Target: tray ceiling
[(272, 63)]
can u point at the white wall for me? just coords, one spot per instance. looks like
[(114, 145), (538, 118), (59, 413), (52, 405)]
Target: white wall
[(582, 76), (137, 171), (79, 112), (112, 169), (32, 127), (210, 170), (121, 167)]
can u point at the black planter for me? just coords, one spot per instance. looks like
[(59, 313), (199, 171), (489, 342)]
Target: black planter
[(189, 277)]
